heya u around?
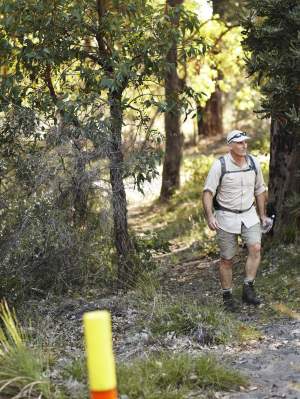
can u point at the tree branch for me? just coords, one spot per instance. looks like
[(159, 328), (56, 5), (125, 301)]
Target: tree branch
[(48, 81)]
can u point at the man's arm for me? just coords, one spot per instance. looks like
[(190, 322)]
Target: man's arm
[(207, 201), (261, 206)]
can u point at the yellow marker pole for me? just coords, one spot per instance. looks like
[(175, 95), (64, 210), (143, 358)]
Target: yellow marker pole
[(100, 358)]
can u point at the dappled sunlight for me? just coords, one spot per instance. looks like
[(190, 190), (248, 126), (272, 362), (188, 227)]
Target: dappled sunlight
[(112, 115)]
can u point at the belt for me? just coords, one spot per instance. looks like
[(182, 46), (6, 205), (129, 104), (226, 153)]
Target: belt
[(222, 208)]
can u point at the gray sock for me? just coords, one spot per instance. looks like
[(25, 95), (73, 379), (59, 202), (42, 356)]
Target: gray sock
[(224, 290), (248, 280)]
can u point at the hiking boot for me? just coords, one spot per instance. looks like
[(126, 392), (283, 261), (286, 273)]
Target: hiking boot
[(229, 303), (249, 295)]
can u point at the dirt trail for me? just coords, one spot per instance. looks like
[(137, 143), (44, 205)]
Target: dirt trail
[(272, 363)]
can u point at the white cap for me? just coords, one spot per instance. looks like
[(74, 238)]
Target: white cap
[(236, 136)]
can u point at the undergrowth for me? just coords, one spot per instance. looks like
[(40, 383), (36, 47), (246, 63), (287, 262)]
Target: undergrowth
[(279, 281), (175, 376), (168, 376), (182, 218), (207, 324), (22, 368)]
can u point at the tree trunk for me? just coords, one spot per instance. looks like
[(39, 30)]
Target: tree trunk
[(174, 137), (210, 118), (212, 114), (123, 243), (284, 180), (80, 188), (211, 121)]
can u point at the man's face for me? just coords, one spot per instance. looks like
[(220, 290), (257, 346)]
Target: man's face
[(239, 149)]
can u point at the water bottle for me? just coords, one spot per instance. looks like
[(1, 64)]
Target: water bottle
[(268, 224)]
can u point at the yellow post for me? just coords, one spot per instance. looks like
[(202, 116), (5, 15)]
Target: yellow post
[(100, 358)]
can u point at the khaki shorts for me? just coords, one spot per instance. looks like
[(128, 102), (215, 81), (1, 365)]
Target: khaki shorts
[(228, 242)]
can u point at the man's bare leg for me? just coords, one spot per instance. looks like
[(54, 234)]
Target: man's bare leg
[(225, 273), (252, 264), (253, 261)]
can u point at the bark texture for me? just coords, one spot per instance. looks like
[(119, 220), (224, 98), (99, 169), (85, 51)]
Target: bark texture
[(174, 137), (123, 243), (284, 181)]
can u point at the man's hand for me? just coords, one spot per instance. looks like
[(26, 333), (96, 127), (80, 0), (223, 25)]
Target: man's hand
[(212, 223), (263, 219), (266, 223)]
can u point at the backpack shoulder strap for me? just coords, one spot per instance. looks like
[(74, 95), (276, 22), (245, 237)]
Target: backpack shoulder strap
[(223, 168), (223, 171), (252, 163)]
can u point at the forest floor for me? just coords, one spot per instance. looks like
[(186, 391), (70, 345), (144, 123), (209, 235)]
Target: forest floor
[(268, 354), (176, 308), (272, 359)]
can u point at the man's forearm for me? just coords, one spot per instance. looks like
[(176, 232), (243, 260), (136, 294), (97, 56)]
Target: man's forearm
[(261, 204), (207, 201)]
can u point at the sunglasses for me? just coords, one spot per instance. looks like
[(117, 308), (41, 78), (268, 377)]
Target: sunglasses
[(237, 136)]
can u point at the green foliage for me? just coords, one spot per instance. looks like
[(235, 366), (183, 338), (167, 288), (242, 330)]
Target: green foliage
[(151, 242), (175, 376), (272, 38), (260, 143), (197, 168), (74, 77)]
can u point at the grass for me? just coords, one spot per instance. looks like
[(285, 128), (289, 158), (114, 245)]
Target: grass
[(75, 369), (181, 219), (22, 368), (277, 283), (181, 317), (280, 280), (175, 376), (163, 375), (147, 286)]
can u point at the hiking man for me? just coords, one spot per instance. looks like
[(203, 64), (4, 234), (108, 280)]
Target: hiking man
[(233, 184)]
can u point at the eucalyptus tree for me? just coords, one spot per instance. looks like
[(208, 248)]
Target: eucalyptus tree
[(73, 63), (185, 42), (174, 137), (272, 37)]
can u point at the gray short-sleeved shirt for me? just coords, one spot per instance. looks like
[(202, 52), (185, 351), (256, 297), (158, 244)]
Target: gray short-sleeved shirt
[(237, 191)]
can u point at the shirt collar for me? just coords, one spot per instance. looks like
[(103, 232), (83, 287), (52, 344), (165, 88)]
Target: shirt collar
[(233, 161)]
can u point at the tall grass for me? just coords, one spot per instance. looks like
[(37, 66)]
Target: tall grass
[(22, 368)]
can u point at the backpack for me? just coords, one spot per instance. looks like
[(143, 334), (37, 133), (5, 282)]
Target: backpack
[(252, 166)]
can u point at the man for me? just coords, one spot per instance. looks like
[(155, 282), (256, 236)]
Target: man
[(233, 182)]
